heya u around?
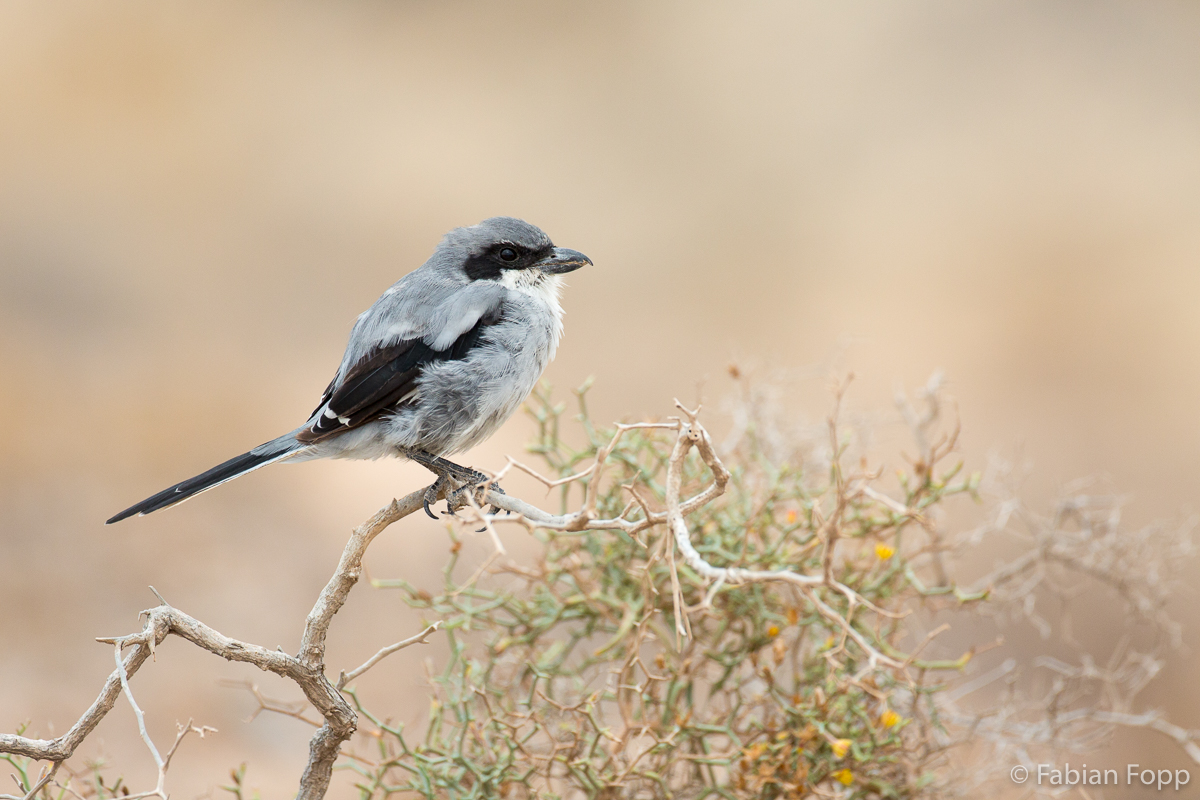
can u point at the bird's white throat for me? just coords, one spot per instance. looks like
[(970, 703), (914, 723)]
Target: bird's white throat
[(537, 284)]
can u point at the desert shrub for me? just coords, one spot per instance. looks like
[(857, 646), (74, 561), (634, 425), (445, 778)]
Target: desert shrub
[(763, 619), (609, 667)]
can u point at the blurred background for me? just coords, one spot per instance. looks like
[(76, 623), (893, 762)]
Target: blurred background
[(196, 200)]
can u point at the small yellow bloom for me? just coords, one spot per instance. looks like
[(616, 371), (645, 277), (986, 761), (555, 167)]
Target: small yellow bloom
[(753, 752), (773, 631), (828, 643), (840, 747), (884, 552), (889, 719), (792, 516), (844, 777)]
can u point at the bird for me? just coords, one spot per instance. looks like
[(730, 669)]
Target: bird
[(433, 367)]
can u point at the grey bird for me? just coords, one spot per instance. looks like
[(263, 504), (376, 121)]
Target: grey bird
[(434, 367)]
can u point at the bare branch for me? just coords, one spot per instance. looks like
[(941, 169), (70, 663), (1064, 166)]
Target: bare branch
[(349, 569), (62, 748), (47, 776), (137, 711), (305, 670), (1186, 739), (287, 709), (547, 482), (384, 652)]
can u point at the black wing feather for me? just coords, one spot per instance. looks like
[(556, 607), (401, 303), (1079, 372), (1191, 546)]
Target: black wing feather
[(380, 379)]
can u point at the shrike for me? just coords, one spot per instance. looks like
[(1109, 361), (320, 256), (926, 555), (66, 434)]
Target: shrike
[(434, 367)]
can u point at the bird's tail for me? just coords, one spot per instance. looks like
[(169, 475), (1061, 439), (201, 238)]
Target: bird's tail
[(276, 450)]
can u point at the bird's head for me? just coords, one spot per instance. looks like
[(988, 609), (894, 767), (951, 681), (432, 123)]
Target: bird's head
[(505, 249)]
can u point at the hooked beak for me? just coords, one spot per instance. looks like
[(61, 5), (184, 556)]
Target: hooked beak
[(561, 261)]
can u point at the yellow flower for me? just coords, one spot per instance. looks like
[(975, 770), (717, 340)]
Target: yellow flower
[(889, 718), (754, 751), (791, 516), (844, 777), (840, 747), (828, 643), (884, 552), (773, 631)]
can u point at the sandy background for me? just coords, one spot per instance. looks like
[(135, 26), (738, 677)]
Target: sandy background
[(197, 200)]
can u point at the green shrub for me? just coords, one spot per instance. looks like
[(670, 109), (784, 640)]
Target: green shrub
[(571, 678)]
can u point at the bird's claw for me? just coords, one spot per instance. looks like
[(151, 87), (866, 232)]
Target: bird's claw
[(454, 494), (442, 484)]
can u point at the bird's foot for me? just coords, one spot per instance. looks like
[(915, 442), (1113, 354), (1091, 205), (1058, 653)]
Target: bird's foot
[(456, 495), (453, 481), (467, 476)]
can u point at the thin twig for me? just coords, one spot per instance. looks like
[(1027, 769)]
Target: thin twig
[(384, 652), (137, 711)]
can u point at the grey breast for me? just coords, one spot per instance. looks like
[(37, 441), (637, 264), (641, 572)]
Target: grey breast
[(463, 402)]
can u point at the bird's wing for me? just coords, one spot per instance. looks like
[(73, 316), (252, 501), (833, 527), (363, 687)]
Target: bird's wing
[(378, 378)]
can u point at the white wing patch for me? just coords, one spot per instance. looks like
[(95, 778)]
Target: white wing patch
[(330, 415)]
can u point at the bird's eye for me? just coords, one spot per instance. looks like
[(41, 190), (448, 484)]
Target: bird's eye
[(508, 254)]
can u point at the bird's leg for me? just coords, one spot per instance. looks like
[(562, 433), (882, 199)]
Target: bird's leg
[(444, 467), (452, 478)]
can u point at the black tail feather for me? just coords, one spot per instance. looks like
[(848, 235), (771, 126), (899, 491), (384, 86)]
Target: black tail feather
[(239, 465)]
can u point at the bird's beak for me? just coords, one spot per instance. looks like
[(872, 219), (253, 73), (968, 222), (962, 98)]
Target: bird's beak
[(562, 260)]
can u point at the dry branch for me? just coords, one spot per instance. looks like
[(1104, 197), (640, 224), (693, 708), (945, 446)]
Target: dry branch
[(384, 652), (307, 670)]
